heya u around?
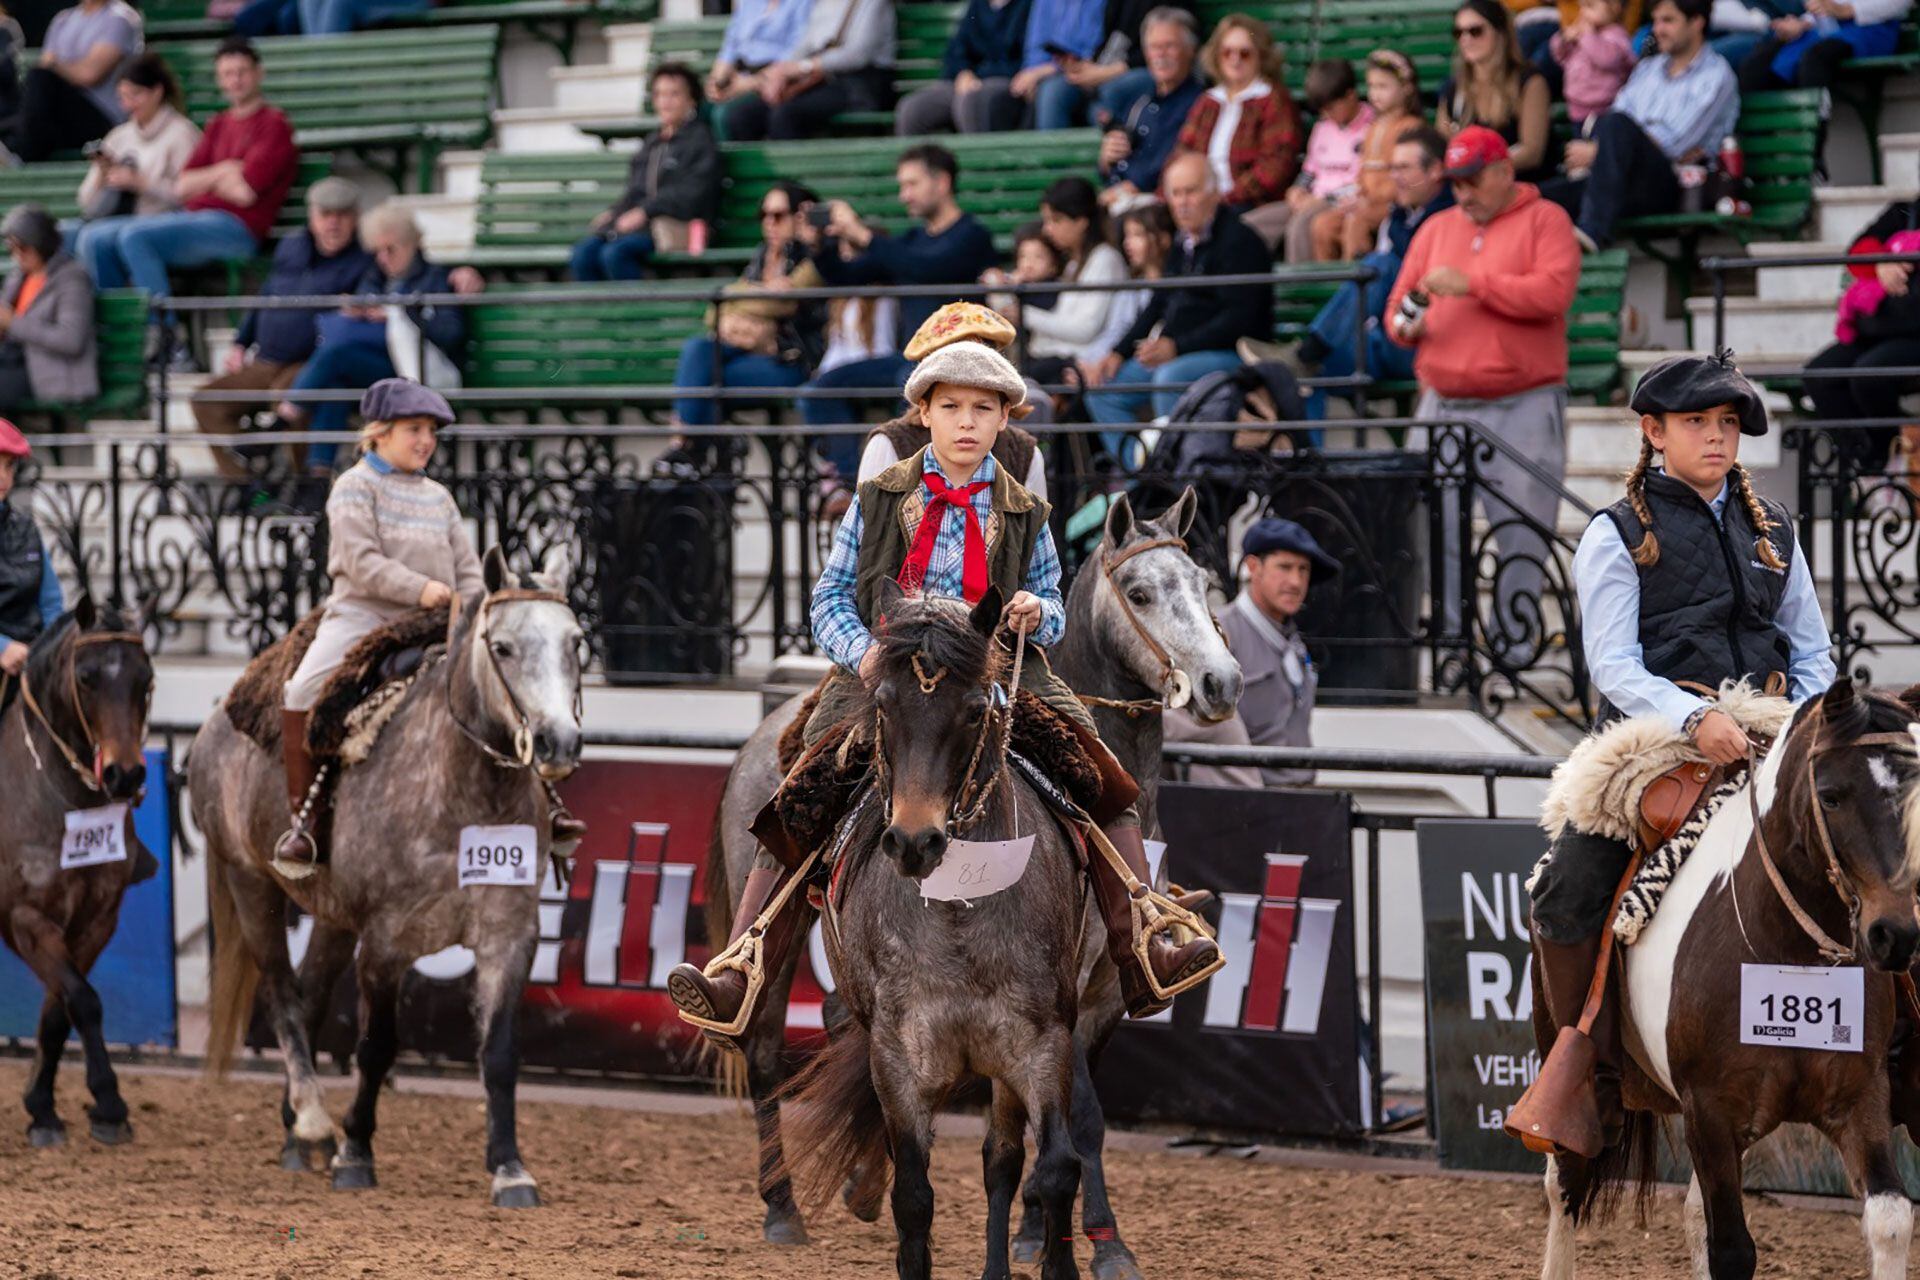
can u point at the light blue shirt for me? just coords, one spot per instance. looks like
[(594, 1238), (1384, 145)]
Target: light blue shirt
[(1608, 584), (1695, 110), (759, 34), (1071, 24)]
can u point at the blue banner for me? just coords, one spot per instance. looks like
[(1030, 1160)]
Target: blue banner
[(134, 975)]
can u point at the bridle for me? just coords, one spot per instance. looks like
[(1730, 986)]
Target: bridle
[(94, 778), (1830, 950), (1174, 690), (970, 805), (522, 757)]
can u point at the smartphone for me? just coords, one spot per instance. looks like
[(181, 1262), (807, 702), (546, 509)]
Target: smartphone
[(1060, 51), (820, 216)]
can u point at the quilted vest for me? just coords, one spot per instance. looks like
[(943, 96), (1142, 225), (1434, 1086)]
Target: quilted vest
[(21, 557), (1708, 606)]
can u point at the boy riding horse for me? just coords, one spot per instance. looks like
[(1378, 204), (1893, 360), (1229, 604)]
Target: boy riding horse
[(1690, 580), (949, 520)]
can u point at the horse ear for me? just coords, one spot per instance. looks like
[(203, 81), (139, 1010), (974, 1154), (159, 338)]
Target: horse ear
[(1119, 519), (1838, 699), (1178, 518), (1910, 698), (556, 571), (493, 570), (891, 594), (986, 614), (84, 612)]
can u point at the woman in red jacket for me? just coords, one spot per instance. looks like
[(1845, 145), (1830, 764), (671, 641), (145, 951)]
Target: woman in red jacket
[(1246, 125)]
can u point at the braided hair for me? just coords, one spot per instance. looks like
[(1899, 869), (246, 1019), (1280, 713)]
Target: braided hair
[(1648, 552)]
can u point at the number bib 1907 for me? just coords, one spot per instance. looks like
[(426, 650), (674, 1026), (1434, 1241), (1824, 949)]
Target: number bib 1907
[(1803, 1007), (498, 855), (94, 836)]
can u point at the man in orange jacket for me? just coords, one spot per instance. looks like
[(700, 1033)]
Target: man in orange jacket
[(1482, 299)]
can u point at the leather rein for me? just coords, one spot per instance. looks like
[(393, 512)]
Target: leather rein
[(92, 778), (522, 757), (1136, 707), (1830, 950)]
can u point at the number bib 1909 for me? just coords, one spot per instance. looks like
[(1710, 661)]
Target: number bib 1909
[(498, 855), (94, 836), (1803, 1008)]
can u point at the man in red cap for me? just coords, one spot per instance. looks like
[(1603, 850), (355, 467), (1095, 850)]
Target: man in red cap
[(29, 591), (1482, 299)]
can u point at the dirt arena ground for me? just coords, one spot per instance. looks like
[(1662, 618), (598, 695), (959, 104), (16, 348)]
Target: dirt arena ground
[(664, 1195)]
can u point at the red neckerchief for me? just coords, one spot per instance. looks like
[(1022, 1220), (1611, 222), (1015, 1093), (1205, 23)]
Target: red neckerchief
[(940, 496)]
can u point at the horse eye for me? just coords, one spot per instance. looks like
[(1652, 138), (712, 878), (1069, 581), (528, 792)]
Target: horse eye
[(501, 649), (1140, 597), (1830, 800)]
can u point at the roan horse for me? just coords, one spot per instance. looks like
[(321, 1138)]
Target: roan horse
[(1121, 657), (473, 743), (1837, 801), (941, 991), (72, 740)]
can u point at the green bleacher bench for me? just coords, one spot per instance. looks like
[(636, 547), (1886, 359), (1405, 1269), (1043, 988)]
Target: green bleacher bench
[(555, 22), (55, 186), (120, 334), (590, 343), (1863, 86), (534, 207), (381, 94)]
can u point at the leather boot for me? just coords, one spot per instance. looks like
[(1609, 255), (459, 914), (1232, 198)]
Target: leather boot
[(297, 853), (721, 996), (1171, 962), (1566, 973)]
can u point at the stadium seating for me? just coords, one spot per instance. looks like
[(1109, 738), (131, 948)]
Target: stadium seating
[(556, 22), (120, 331), (591, 343)]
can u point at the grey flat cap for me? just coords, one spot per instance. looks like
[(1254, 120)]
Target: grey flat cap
[(393, 398), (334, 195)]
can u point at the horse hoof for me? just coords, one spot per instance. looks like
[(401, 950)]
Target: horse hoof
[(111, 1133), (353, 1177), (45, 1136), (290, 1158), (315, 1156), (1027, 1249), (786, 1227), (520, 1196), (1115, 1262)]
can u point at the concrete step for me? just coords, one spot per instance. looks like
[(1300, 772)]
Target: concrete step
[(629, 44), (1796, 329), (545, 129), (1798, 284), (1900, 156), (610, 90), (1840, 213), (460, 173), (446, 221)]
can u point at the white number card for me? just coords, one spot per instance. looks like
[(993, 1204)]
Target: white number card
[(977, 869), (94, 836), (1803, 1007), (499, 855)]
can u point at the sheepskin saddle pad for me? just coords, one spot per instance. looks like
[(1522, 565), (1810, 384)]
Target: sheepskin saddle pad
[(1598, 789), (359, 698)]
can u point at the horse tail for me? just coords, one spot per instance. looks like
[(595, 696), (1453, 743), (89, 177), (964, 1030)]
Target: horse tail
[(235, 975), (1633, 1160), (836, 1130)]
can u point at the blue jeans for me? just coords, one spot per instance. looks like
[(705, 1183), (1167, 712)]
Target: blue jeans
[(737, 369), (1334, 327), (348, 365), (621, 258), (1057, 104), (1169, 380), (138, 250), (843, 449), (337, 17)]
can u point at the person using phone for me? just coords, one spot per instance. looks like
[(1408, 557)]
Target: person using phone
[(1105, 61), (975, 91), (133, 168)]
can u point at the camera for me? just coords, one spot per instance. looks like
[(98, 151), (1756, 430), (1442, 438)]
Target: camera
[(820, 216)]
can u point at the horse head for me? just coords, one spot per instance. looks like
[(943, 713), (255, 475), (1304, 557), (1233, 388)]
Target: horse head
[(1154, 613), (1859, 793), (936, 705), (524, 657), (91, 681)]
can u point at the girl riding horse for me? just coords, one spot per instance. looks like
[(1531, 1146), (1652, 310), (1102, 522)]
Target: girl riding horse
[(1691, 579), (29, 592), (948, 520)]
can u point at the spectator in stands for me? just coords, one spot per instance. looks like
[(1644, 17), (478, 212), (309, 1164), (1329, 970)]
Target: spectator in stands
[(1331, 171), (1146, 242), (975, 91), (1807, 50), (1676, 108), (946, 246), (1144, 132), (230, 192), (67, 97), (46, 318), (1060, 336), (1246, 125), (1349, 227), (1494, 86), (1885, 337), (362, 343), (672, 183), (843, 62), (1595, 57), (1183, 333), (760, 34), (29, 588), (1419, 192), (1735, 29), (272, 346), (1035, 262), (133, 170), (1086, 59), (12, 43), (337, 17), (1497, 274), (1279, 560), (1537, 39)]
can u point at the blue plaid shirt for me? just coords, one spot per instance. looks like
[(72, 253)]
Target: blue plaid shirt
[(836, 613)]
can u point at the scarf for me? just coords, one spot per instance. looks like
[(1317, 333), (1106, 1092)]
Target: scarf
[(940, 496)]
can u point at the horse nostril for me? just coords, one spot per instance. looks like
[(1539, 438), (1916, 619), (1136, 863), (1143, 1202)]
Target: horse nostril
[(934, 847), (543, 745), (1210, 686), (890, 842)]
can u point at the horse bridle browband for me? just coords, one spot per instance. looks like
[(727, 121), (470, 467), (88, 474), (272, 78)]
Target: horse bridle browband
[(966, 811), (92, 778), (522, 756), (1831, 951), (1135, 707)]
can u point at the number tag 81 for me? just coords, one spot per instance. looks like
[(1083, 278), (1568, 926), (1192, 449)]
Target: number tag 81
[(1802, 1007), (498, 855)]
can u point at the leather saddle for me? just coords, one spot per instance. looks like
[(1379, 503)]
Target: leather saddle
[(1673, 798)]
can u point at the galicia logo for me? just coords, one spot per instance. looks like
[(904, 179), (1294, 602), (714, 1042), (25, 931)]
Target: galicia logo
[(1278, 946)]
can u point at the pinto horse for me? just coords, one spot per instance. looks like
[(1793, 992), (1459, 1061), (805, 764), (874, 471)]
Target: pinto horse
[(1823, 845), (940, 992), (72, 739), (474, 742)]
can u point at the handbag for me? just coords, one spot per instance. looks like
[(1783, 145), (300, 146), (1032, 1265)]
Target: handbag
[(414, 356)]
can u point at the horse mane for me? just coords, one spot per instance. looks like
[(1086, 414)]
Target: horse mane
[(939, 631)]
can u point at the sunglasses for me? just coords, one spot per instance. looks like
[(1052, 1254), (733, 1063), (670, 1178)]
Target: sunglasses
[(1470, 33), (1235, 53), (775, 215)]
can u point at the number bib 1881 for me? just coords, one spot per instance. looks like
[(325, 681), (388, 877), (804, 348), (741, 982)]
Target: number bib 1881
[(94, 836), (498, 855), (1802, 1007)]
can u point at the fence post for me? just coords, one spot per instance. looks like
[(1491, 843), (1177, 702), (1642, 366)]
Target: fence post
[(116, 533)]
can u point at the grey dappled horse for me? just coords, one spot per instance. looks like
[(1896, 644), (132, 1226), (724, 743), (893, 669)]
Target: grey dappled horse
[(1104, 655), (71, 739), (474, 742)]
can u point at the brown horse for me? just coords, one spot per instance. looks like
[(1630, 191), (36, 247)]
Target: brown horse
[(1836, 802), (71, 740)]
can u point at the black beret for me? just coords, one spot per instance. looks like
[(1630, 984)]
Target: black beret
[(1686, 384), (393, 398), (1276, 534)]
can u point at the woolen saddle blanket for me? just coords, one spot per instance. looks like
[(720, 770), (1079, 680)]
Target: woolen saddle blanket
[(389, 656)]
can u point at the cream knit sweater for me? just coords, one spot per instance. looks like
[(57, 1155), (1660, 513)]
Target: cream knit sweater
[(391, 532)]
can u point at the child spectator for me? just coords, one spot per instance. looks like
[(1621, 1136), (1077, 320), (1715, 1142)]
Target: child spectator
[(1331, 170), (1595, 55), (1393, 93), (1035, 261), (1146, 237)]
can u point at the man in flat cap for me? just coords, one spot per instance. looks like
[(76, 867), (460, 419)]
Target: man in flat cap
[(1279, 559)]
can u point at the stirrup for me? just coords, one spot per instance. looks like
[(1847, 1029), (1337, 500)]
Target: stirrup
[(746, 955), (1154, 912)]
